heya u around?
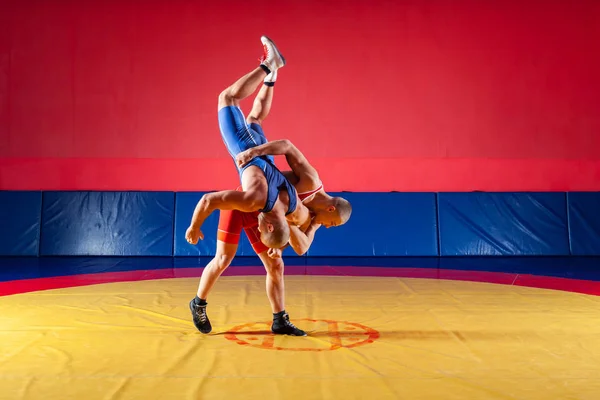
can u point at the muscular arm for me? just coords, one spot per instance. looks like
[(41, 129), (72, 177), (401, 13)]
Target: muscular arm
[(301, 241), (224, 200), (296, 160)]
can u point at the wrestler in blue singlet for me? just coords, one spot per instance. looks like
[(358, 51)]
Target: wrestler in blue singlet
[(239, 136)]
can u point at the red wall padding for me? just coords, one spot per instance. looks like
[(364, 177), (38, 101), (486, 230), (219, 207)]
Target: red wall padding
[(380, 95)]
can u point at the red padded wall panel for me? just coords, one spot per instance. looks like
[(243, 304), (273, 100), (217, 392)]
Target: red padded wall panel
[(381, 95)]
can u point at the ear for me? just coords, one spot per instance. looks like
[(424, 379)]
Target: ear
[(331, 209), (270, 227)]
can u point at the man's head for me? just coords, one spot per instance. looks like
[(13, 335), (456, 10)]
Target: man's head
[(335, 211), (274, 229)]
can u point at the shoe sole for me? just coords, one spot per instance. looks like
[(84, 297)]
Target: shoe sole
[(288, 334), (276, 49)]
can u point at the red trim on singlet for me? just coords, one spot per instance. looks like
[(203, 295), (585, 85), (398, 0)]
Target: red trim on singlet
[(305, 195)]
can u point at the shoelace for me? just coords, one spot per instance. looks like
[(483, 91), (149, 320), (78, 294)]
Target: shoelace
[(288, 323), (265, 54), (201, 311)]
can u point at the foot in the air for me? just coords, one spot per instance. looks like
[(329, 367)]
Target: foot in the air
[(271, 78), (283, 326), (272, 58), (199, 316)]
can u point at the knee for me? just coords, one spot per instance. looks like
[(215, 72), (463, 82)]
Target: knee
[(275, 268), (226, 99), (222, 261), (253, 120)]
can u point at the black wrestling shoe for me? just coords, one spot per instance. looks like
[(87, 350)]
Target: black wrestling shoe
[(283, 326), (201, 320)]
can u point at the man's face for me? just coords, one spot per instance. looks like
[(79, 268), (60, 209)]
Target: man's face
[(328, 218)]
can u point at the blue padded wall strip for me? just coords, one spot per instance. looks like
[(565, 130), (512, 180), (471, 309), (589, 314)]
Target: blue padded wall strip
[(503, 224)]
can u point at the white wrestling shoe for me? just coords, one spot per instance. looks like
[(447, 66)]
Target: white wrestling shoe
[(271, 78), (272, 58)]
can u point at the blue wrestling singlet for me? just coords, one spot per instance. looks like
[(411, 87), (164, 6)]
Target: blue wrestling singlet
[(238, 137)]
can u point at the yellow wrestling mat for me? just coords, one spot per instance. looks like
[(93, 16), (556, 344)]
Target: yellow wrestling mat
[(369, 338)]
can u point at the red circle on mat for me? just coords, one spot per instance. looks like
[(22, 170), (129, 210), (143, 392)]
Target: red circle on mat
[(337, 335)]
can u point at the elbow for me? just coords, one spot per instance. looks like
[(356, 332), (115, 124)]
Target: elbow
[(289, 149), (287, 145), (205, 202), (301, 250)]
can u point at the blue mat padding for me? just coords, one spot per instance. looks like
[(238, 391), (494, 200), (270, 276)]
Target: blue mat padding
[(107, 223), (503, 224), (20, 215), (382, 224), (584, 223)]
